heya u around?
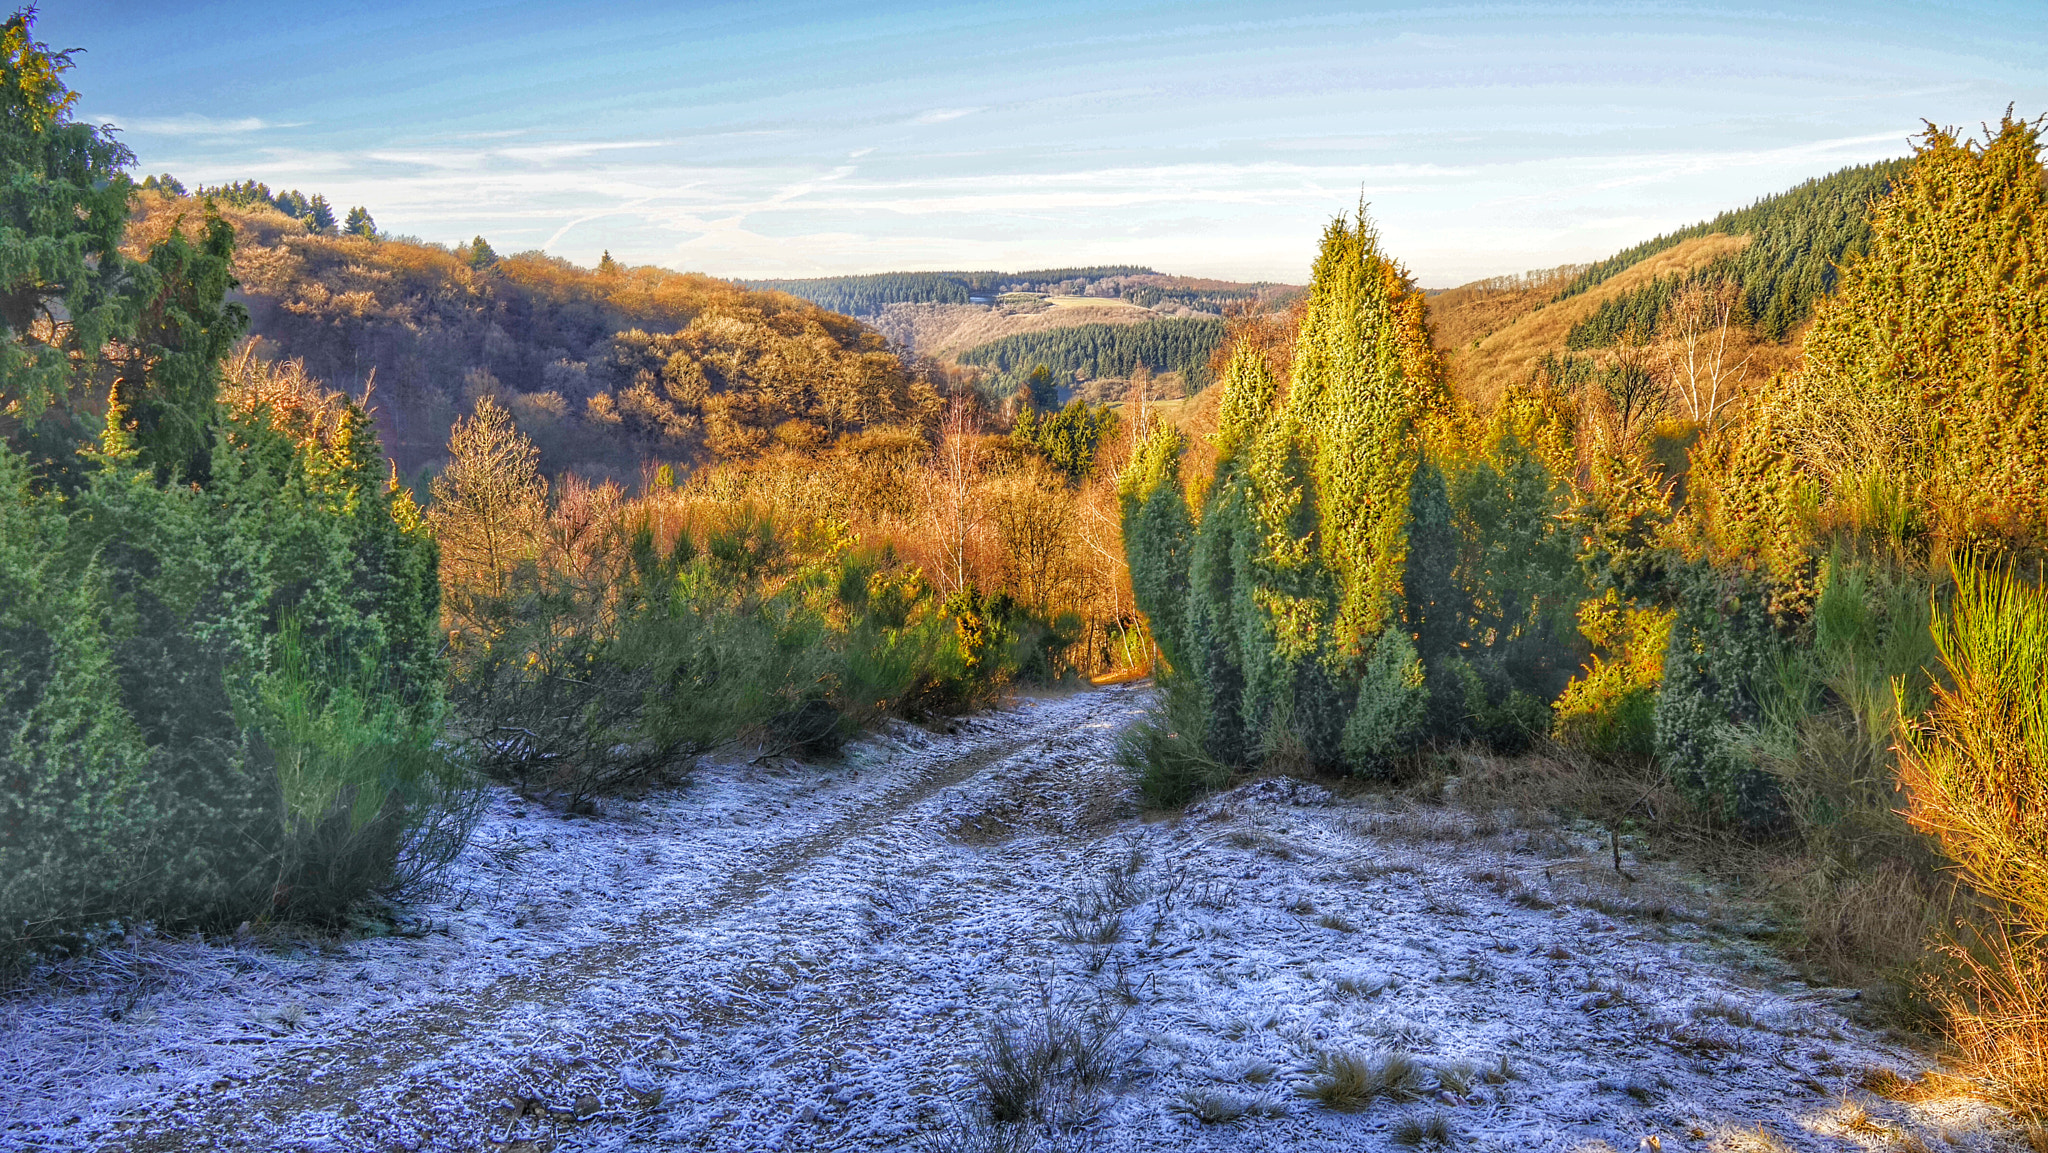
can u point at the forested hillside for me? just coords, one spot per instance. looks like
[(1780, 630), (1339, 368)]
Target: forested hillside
[(604, 369), (1091, 351), (1749, 278), (870, 294)]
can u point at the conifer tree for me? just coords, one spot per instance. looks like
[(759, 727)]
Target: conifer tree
[(479, 253), (320, 216), (1294, 572), (1037, 391), (359, 223), (64, 284)]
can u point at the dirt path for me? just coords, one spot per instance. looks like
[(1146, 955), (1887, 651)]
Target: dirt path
[(799, 957)]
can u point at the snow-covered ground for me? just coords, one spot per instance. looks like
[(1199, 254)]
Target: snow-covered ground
[(814, 956)]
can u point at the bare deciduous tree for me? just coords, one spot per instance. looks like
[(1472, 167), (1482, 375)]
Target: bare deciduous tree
[(959, 462), (1696, 360)]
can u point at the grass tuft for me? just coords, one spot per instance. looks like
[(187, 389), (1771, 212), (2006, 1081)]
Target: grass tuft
[(1350, 1082)]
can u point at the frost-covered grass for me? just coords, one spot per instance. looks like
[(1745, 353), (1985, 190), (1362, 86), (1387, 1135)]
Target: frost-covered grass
[(969, 940)]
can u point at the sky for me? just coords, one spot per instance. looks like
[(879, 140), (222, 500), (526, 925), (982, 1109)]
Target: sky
[(1206, 139)]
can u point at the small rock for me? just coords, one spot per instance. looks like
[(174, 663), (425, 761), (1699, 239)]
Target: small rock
[(1449, 1098), (807, 1114), (586, 1105)]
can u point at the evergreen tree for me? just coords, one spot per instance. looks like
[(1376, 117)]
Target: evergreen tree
[(320, 216), (1293, 574), (359, 223), (63, 207), (1037, 392), (219, 697), (170, 375), (606, 266), (479, 253)]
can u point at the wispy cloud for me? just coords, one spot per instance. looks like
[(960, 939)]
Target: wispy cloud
[(193, 125), (941, 115)]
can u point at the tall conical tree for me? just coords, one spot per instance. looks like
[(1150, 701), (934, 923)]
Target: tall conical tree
[(1295, 569)]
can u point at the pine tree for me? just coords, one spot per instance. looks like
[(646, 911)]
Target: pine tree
[(479, 253), (320, 216), (359, 223), (1037, 392), (169, 379), (64, 206), (1295, 569)]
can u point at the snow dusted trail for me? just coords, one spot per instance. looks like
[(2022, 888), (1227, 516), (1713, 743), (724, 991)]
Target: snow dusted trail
[(810, 957)]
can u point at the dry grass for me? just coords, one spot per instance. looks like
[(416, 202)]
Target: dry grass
[(1350, 1082), (1413, 1131), (1051, 1068)]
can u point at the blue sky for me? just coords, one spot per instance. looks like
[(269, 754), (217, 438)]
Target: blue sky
[(1207, 139)]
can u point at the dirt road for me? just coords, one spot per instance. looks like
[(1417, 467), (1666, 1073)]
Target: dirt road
[(794, 956)]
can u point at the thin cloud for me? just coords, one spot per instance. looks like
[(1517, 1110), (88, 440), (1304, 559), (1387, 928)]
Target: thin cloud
[(194, 125), (941, 115)]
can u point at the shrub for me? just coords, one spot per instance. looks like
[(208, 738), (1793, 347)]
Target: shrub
[(1724, 649), (1610, 709), (225, 700)]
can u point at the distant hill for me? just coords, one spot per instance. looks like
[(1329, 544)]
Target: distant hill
[(869, 295), (1568, 324), (604, 368)]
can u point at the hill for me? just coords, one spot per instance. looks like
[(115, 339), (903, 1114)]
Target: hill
[(1772, 260), (604, 369), (870, 295)]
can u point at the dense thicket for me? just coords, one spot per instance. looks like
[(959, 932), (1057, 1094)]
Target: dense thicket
[(1090, 351), (602, 369), (220, 688), (1367, 570)]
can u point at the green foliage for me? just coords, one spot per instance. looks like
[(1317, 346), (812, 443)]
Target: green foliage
[(1726, 650), (360, 224), (1165, 747), (63, 207), (219, 637), (170, 375), (1157, 532), (248, 673), (1037, 392), (1611, 709), (1631, 317), (1069, 438), (1928, 371), (1178, 344), (1276, 610), (1978, 765)]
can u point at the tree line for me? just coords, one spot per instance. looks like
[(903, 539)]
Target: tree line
[(1091, 351)]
